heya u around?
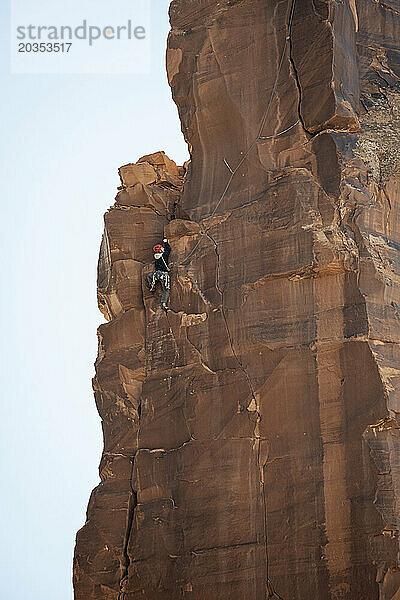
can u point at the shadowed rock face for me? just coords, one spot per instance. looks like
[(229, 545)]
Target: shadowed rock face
[(251, 436)]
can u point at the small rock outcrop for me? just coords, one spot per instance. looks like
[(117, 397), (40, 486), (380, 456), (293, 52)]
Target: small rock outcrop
[(252, 433)]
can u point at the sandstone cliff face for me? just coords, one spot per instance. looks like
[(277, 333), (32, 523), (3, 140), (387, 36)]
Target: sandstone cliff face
[(251, 436)]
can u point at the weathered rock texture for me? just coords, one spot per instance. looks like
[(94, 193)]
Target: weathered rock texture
[(251, 436)]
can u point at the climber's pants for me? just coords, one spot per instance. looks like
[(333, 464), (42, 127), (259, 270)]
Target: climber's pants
[(163, 278)]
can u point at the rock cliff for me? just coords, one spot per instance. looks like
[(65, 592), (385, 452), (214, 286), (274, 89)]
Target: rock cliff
[(251, 434)]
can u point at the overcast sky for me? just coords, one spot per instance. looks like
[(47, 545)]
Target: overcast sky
[(63, 138)]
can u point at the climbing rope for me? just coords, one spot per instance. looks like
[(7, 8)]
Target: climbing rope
[(257, 138), (168, 269), (176, 357), (270, 137)]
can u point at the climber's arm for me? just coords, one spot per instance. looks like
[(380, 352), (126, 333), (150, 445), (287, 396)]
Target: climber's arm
[(167, 248)]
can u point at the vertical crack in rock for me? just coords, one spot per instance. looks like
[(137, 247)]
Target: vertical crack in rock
[(295, 73), (270, 589), (132, 504)]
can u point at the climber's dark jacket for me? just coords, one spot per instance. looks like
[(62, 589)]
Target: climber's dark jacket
[(160, 263)]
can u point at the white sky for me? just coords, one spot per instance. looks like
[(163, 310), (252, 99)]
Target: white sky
[(63, 139)]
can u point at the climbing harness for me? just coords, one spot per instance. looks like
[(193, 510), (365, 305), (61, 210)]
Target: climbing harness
[(257, 138), (162, 277)]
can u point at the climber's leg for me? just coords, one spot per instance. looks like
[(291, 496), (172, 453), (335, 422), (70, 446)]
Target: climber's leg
[(165, 286), (151, 281)]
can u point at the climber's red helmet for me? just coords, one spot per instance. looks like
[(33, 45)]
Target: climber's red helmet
[(158, 248)]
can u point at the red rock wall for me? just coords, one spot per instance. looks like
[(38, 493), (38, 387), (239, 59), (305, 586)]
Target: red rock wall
[(251, 435)]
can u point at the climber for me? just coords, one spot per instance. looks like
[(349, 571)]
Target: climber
[(160, 273)]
